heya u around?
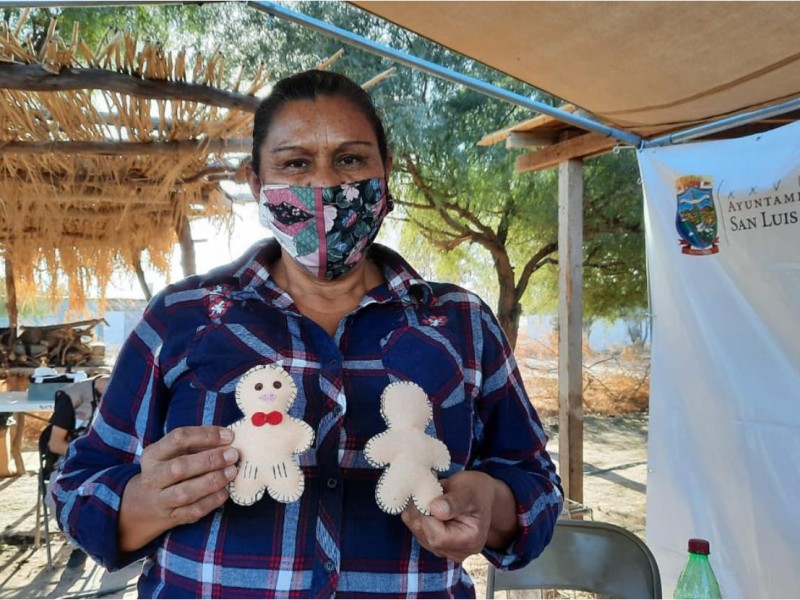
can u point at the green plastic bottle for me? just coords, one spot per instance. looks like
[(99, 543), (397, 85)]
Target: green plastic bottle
[(697, 580)]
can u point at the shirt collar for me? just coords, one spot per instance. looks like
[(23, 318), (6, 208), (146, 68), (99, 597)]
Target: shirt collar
[(401, 278)]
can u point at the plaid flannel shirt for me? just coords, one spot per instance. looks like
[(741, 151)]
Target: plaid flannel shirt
[(180, 367)]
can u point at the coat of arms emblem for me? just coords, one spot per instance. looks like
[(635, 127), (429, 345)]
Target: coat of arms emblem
[(696, 217)]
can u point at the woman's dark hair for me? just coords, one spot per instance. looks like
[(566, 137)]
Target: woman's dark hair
[(309, 85)]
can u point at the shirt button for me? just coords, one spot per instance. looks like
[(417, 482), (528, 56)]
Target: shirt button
[(333, 482), (329, 566), (333, 362)]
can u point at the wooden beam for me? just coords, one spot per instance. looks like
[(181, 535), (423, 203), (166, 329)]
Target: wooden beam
[(33, 233), (102, 198), (378, 78), (21, 175), (570, 327), (16, 76), (128, 148), (582, 146), (528, 139)]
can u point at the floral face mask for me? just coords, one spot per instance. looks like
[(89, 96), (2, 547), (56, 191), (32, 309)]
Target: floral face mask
[(325, 229)]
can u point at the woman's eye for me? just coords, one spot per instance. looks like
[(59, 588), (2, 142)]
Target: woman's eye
[(351, 161), (295, 164)]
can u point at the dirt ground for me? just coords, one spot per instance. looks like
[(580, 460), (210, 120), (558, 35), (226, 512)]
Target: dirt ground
[(616, 387)]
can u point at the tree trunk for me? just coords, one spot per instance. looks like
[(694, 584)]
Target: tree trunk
[(137, 266), (188, 260), (508, 308)]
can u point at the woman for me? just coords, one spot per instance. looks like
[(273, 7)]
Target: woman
[(344, 318)]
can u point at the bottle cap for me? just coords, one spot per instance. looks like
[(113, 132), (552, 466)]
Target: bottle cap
[(698, 546)]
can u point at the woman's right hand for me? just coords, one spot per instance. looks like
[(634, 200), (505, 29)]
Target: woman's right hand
[(184, 477)]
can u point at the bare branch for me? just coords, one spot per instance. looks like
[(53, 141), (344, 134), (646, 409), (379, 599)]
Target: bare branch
[(536, 262), (33, 77)]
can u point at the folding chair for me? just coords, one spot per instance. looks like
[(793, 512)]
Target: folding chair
[(42, 509), (587, 556)]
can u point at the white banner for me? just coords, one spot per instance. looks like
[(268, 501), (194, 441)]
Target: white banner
[(723, 246)]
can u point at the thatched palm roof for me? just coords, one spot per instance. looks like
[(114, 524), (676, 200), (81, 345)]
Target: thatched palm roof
[(108, 152)]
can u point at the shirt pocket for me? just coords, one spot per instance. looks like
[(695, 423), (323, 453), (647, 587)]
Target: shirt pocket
[(215, 361), (427, 357), (220, 354)]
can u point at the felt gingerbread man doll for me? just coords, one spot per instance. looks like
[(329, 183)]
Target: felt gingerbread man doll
[(267, 438), (409, 454)]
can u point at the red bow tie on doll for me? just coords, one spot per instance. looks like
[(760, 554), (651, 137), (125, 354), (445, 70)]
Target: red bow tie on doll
[(260, 419)]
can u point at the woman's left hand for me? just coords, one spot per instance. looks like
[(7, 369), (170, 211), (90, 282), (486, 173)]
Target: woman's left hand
[(475, 511)]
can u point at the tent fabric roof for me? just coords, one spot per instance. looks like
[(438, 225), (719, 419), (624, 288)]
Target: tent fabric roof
[(645, 67)]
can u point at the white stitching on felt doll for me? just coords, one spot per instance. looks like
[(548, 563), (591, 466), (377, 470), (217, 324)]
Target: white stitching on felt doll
[(408, 453), (267, 438)]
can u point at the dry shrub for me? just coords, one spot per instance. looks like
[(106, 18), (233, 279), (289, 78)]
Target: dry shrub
[(614, 382)]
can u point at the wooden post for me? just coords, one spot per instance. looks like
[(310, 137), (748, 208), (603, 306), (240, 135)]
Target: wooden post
[(12, 311), (11, 299), (570, 321), (17, 433), (17, 382), (4, 470), (184, 232), (137, 266)]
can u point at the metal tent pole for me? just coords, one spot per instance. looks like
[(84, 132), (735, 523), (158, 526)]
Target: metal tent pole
[(723, 124)]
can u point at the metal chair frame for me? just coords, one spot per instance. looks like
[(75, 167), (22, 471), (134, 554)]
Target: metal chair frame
[(587, 556), (42, 510)]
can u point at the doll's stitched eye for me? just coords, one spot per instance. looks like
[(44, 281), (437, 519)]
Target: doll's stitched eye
[(277, 385), (259, 387)]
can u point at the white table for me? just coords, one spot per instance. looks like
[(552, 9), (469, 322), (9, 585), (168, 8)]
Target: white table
[(18, 403)]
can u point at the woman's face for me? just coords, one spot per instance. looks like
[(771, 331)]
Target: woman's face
[(322, 142)]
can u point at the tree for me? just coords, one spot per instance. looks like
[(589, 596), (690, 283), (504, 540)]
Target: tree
[(614, 260), (487, 205), (459, 194)]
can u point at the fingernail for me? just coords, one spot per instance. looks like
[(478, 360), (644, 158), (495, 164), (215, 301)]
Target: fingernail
[(226, 435), (230, 455), (230, 473)]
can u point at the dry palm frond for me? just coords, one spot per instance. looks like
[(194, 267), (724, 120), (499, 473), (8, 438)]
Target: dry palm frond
[(69, 220)]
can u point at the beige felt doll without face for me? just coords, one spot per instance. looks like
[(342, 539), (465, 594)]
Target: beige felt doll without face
[(408, 453), (267, 438)]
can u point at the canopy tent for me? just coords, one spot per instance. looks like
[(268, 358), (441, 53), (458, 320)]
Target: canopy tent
[(643, 67)]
